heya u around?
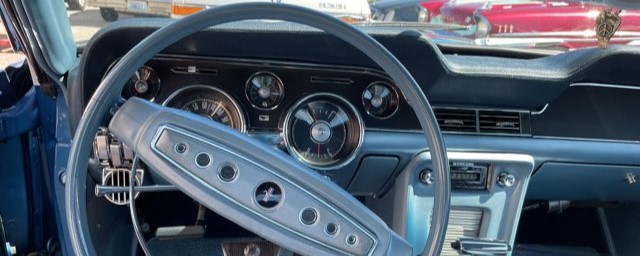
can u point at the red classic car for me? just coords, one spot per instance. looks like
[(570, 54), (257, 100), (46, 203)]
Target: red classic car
[(561, 24)]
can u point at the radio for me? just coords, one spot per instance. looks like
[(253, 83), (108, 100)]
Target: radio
[(468, 175)]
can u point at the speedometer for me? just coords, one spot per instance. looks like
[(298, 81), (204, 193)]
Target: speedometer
[(324, 131), (208, 102)]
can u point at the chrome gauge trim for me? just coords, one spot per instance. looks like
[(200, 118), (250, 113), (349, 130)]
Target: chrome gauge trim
[(143, 66), (395, 95), (288, 139), (236, 106), (278, 81)]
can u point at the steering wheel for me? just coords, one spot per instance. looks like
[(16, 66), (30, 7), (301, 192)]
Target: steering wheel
[(190, 152)]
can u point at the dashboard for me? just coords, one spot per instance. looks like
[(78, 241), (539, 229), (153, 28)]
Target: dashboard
[(516, 125), (547, 106)]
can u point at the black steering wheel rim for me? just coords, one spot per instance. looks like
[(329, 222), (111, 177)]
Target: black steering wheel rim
[(108, 92)]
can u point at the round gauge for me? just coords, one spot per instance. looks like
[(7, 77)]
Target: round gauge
[(324, 131), (264, 90), (210, 103), (145, 84), (380, 100)]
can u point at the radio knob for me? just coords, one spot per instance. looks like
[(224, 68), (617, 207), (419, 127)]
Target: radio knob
[(506, 179), (426, 177)]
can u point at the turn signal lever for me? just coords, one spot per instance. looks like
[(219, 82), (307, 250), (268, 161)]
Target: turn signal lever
[(476, 246)]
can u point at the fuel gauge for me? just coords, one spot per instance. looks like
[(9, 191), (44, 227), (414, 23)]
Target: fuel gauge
[(380, 100), (264, 90)]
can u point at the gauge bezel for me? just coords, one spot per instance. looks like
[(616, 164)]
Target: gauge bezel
[(143, 66), (236, 106), (278, 81), (342, 103), (395, 95)]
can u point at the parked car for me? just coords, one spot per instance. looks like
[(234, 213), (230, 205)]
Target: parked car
[(348, 10), (568, 24), (76, 4), (565, 24), (110, 9), (398, 10)]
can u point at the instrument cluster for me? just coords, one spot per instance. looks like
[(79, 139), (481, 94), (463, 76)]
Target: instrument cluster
[(316, 115)]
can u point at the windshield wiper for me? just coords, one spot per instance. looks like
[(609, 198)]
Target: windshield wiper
[(416, 25)]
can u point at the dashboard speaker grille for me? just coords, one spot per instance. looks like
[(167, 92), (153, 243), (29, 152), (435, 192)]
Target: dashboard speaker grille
[(119, 177), (464, 222)]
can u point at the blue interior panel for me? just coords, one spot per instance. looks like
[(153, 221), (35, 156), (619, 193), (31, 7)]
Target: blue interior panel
[(570, 181)]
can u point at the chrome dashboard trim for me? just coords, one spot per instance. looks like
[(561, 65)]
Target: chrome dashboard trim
[(278, 80), (586, 139), (539, 112), (287, 136), (395, 94), (613, 86), (242, 125), (223, 148), (143, 66)]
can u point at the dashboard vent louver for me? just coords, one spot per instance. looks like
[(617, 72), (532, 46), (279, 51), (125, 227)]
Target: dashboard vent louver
[(456, 120), (499, 122), (119, 178), (462, 223)]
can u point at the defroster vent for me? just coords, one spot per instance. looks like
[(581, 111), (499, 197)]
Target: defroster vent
[(456, 120), (483, 121), (499, 122)]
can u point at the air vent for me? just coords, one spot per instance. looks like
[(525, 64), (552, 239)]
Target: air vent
[(499, 122), (119, 177), (456, 120), (462, 223)]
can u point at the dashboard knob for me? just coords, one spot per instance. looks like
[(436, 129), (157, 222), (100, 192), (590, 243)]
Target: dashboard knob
[(506, 179), (426, 177), (630, 178)]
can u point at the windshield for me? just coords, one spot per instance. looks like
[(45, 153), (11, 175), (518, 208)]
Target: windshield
[(545, 24)]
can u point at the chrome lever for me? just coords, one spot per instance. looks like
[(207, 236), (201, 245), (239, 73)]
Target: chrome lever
[(103, 190), (476, 246)]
